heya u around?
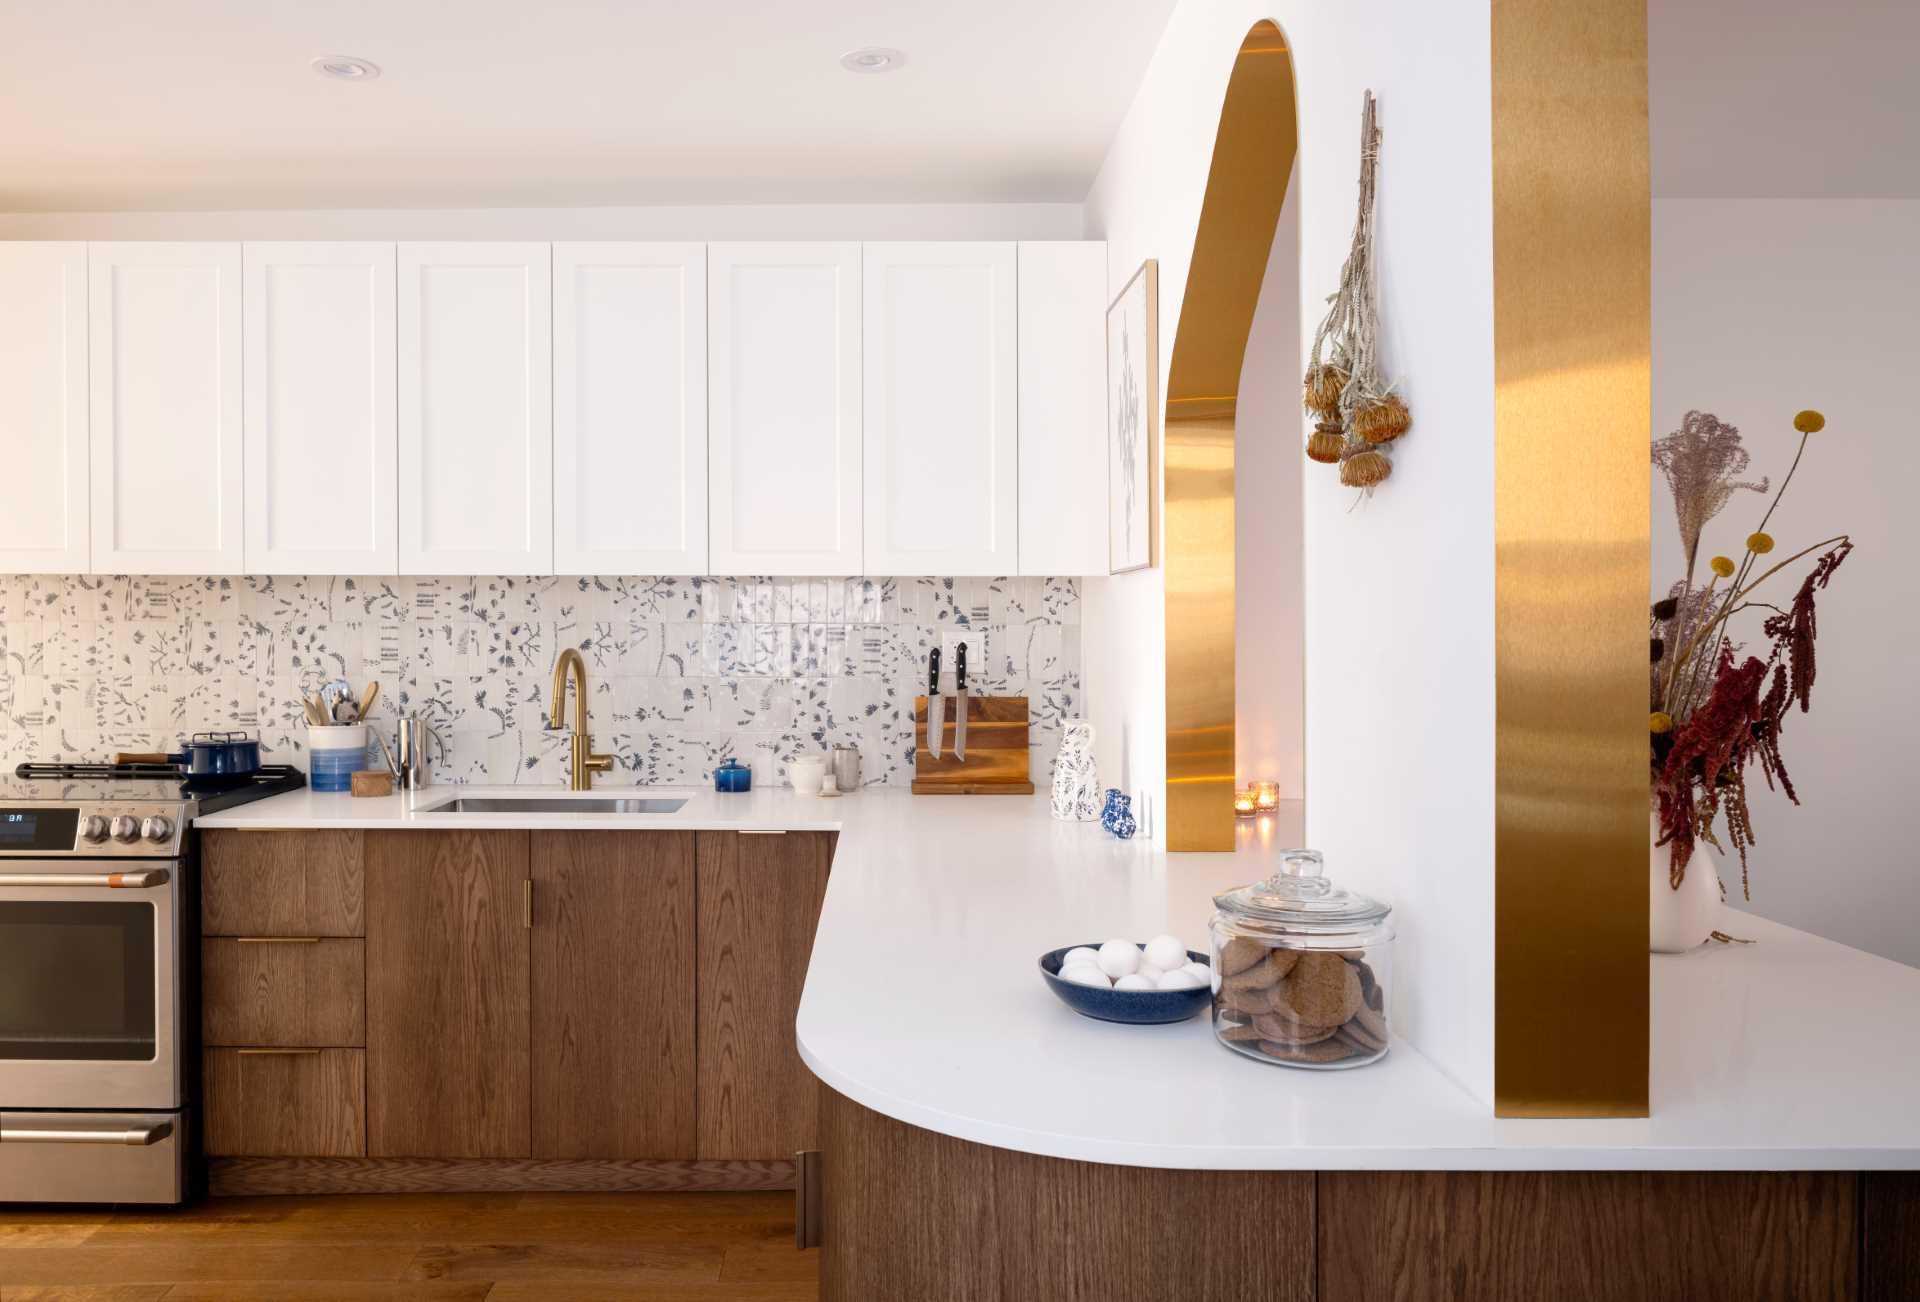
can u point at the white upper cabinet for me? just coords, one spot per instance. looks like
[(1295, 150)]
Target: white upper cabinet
[(43, 408), (783, 368), (630, 408), (164, 415), (1063, 414), (476, 411), (321, 458), (941, 408)]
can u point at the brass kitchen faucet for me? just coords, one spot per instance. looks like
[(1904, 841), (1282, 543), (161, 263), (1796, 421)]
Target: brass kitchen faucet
[(583, 763)]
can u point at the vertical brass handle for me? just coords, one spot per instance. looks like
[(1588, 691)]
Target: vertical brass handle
[(527, 903)]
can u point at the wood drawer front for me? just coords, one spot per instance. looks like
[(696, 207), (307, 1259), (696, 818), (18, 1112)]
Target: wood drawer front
[(276, 1103), (282, 884), (284, 993)]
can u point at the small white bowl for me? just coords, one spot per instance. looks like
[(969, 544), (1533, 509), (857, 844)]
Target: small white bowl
[(806, 774)]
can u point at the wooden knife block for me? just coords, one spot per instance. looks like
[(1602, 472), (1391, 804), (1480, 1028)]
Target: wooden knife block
[(997, 754)]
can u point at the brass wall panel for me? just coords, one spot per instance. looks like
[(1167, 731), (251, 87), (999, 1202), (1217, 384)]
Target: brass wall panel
[(1572, 282), (1246, 184)]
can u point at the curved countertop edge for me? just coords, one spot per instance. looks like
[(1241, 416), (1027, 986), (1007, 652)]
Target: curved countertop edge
[(957, 897)]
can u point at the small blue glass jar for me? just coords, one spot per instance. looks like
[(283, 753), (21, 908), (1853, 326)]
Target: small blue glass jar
[(1117, 817), (732, 775)]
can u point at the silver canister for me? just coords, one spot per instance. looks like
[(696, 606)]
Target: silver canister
[(846, 767), (414, 768)]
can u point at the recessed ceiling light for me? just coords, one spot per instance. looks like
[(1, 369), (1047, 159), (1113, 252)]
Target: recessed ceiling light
[(872, 58), (344, 67)]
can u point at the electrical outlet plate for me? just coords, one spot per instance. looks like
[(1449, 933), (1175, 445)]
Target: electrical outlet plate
[(976, 644)]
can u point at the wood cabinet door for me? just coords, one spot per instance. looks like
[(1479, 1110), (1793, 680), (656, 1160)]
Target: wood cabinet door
[(43, 408), (941, 410), (285, 1102), (447, 978), (630, 408), (476, 409), (282, 883), (783, 367), (1063, 407), (759, 902), (320, 409), (164, 412), (613, 995), (284, 993)]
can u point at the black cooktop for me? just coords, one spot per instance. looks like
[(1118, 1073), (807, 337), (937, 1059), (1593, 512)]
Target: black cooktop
[(147, 782)]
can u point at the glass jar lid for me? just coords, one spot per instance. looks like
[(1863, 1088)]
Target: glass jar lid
[(1299, 898)]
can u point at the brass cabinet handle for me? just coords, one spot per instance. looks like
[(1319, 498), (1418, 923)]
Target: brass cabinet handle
[(276, 1053), (278, 940)]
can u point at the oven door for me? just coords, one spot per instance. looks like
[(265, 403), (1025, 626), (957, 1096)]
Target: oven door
[(89, 985)]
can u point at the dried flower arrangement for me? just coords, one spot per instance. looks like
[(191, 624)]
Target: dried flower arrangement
[(1356, 413), (1715, 713)]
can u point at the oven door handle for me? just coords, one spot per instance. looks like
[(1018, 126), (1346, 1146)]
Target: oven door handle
[(144, 879), (136, 1137)]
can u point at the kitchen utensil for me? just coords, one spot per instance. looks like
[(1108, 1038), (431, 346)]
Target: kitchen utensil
[(386, 752), (960, 703), (371, 782), (732, 775), (1138, 1007), (140, 757), (936, 705), (334, 754), (806, 773), (1303, 968), (846, 767), (368, 696), (346, 710), (315, 712), (218, 755)]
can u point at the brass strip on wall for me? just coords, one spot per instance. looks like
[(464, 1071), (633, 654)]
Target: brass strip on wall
[(1571, 252), (1246, 184)]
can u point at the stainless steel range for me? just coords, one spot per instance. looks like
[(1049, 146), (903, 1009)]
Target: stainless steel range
[(98, 901)]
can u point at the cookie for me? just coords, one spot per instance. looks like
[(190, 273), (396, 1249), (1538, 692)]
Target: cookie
[(1233, 1031), (1239, 954), (1321, 1052), (1289, 1030), (1260, 976), (1370, 1022), (1358, 1043), (1322, 989)]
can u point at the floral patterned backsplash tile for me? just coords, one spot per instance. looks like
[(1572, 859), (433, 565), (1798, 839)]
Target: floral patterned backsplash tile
[(683, 672)]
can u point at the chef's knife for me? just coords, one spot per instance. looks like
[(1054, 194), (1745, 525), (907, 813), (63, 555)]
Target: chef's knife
[(936, 704), (960, 703)]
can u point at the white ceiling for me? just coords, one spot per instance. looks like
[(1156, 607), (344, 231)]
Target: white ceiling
[(1779, 98), (208, 104)]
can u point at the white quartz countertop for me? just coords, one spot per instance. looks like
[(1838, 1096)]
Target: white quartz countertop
[(923, 1002)]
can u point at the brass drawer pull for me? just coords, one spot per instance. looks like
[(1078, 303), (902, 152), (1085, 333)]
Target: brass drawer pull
[(278, 940), (277, 1053)]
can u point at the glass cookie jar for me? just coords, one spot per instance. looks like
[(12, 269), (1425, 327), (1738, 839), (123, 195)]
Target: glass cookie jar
[(1301, 969)]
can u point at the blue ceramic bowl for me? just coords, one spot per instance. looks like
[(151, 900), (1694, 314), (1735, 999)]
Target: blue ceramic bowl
[(1140, 1007)]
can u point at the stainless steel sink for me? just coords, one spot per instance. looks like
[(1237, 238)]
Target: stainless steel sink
[(560, 805)]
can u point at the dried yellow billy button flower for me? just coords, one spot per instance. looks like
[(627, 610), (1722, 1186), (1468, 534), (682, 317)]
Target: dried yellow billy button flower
[(1759, 543), (1809, 422), (1723, 566), (1660, 721)]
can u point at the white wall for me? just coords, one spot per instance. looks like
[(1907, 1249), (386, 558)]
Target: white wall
[(1268, 671), (977, 221), (1763, 307), (1399, 590)]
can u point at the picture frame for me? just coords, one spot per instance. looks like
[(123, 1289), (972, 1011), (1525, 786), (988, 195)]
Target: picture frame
[(1133, 422)]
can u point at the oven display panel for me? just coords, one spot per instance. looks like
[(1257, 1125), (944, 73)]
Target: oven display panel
[(38, 829)]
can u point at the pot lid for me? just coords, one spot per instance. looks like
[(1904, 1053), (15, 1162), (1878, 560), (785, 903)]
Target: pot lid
[(1299, 897)]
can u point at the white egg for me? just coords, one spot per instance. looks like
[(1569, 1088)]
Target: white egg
[(1181, 979), (1080, 955), (1201, 970), (1166, 953), (1119, 958), (1133, 981), (1086, 974)]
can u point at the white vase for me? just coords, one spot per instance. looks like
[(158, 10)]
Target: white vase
[(1680, 919), (1076, 786)]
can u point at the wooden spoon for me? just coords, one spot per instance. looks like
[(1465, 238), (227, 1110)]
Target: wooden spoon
[(367, 698)]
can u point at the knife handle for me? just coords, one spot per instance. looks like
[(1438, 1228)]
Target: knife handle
[(933, 673), (960, 668)]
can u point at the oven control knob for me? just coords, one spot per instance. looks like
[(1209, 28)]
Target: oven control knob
[(93, 828), (157, 828), (124, 828)]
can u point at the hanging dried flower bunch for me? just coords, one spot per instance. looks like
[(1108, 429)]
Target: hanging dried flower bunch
[(1357, 414)]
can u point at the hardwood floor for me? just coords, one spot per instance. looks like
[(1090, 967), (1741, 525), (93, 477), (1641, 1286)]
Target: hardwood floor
[(439, 1247)]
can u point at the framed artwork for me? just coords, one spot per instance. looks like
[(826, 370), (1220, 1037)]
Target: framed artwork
[(1133, 420)]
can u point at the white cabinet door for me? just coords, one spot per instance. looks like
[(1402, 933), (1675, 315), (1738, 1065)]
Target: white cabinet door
[(320, 409), (43, 408), (164, 366), (783, 366), (630, 408), (1063, 408), (941, 408), (476, 411)]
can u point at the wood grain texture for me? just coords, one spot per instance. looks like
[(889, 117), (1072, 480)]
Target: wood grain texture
[(1594, 1236), (447, 994), (1890, 1236), (254, 1176), (285, 1104), (283, 994), (613, 995), (759, 902), (997, 753), (281, 884), (912, 1214)]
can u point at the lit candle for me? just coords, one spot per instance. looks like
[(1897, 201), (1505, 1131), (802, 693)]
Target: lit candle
[(1243, 804), (1266, 796)]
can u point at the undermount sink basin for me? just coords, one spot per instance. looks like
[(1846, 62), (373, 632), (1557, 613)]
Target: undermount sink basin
[(560, 805)]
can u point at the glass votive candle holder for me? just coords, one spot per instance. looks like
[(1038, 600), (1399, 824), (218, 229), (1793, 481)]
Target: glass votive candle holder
[(1266, 797), (1243, 803)]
